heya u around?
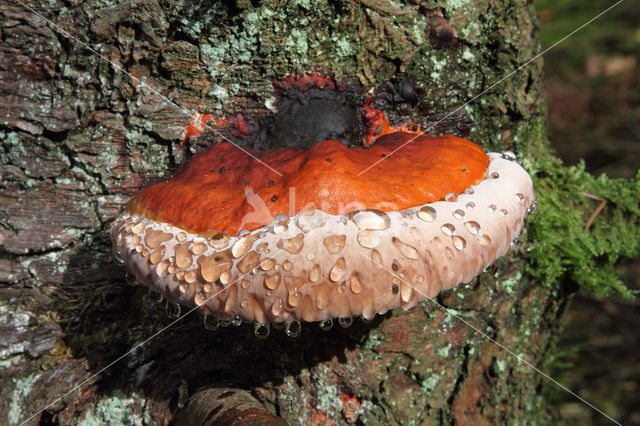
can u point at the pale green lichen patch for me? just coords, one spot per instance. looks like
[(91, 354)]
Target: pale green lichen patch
[(21, 390), (113, 410)]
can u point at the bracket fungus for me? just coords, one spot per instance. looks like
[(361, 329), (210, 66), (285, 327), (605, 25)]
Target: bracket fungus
[(323, 241)]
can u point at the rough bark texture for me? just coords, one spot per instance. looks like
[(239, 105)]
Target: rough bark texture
[(78, 138)]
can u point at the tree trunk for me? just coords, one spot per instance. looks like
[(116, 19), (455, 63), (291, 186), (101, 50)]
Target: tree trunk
[(79, 138)]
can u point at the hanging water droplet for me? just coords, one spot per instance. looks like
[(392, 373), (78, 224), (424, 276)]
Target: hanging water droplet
[(260, 330), (236, 321), (155, 297), (371, 219), (473, 227), (345, 322), (491, 269), (448, 229), (458, 214), (210, 322), (292, 329), (130, 279), (327, 324), (172, 310), (118, 254), (280, 224), (473, 284), (224, 322)]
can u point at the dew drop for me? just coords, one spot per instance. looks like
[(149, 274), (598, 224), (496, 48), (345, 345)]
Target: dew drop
[(395, 289), (118, 253), (504, 212), (272, 281), (287, 266), (267, 264), (260, 330), (138, 228), (484, 240), (314, 274), (244, 304), (338, 270), (427, 213), (473, 284), (236, 321), (491, 269), (210, 322), (172, 310), (355, 285), (326, 325), (155, 297), (448, 229), (292, 329), (495, 175), (493, 208), (376, 259), (366, 320), (280, 224), (470, 205), (294, 298), (190, 276), (458, 242), (473, 227), (451, 197), (345, 322), (182, 237), (407, 293), (458, 214), (219, 241), (369, 238), (407, 250), (470, 191), (242, 246), (278, 307), (198, 248), (311, 219), (225, 277), (335, 243), (244, 284), (371, 219)]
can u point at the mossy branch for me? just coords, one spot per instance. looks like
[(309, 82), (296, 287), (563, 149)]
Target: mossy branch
[(561, 248)]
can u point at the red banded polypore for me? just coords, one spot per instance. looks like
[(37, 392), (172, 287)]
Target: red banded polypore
[(313, 261)]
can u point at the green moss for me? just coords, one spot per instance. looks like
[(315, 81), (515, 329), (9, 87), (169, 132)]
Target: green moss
[(561, 247)]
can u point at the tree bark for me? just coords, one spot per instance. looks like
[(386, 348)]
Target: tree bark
[(79, 138)]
